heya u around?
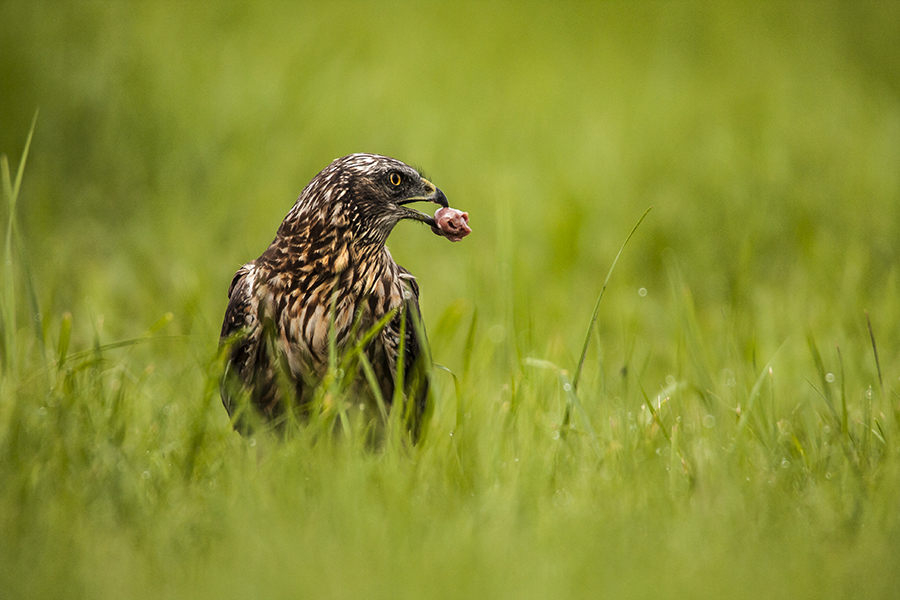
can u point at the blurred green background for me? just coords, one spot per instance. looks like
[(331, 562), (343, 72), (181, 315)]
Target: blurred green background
[(173, 138)]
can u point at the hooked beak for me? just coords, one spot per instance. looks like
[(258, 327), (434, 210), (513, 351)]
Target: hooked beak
[(433, 194)]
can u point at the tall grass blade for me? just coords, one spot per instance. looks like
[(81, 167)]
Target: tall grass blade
[(362, 342), (820, 369), (654, 414), (470, 345), (21, 171), (573, 400), (755, 391), (457, 387), (844, 430), (875, 351), (590, 331), (369, 373), (11, 191), (10, 352), (65, 334)]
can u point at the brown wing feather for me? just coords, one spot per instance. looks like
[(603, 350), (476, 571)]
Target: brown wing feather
[(250, 371), (416, 357)]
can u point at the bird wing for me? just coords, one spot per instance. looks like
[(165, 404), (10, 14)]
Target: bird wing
[(255, 375), (416, 358), (238, 314), (237, 333), (249, 371)]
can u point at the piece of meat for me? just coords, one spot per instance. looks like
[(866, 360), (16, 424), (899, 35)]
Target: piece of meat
[(451, 223)]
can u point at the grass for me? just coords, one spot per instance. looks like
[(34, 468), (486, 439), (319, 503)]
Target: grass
[(730, 429)]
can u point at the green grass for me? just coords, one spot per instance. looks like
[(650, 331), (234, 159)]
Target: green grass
[(735, 431)]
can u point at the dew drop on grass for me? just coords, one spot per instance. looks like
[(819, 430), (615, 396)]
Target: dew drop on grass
[(869, 394), (709, 421), (829, 377), (785, 463), (555, 435), (828, 475), (146, 474), (642, 292), (252, 442), (563, 497), (567, 386), (42, 411), (670, 380), (826, 429)]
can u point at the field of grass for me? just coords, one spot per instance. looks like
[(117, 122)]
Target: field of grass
[(734, 432)]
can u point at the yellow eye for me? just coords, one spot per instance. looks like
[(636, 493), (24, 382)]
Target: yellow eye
[(395, 178)]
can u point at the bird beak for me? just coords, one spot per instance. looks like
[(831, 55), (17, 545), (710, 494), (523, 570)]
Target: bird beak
[(436, 195), (433, 194)]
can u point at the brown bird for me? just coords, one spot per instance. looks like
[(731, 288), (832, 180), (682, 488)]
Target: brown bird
[(326, 281)]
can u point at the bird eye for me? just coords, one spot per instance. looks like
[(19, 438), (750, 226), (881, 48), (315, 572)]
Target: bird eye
[(395, 178)]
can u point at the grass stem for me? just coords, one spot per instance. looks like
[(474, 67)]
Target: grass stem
[(596, 313)]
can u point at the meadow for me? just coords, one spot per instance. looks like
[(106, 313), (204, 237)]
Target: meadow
[(733, 431)]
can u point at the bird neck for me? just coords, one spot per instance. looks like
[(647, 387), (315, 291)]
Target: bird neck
[(371, 261)]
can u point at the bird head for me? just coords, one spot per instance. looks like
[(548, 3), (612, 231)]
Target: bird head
[(368, 194)]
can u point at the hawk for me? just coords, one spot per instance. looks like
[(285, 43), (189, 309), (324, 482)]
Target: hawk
[(328, 284)]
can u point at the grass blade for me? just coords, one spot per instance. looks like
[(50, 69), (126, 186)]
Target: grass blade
[(755, 390), (65, 334), (21, 171), (470, 345), (875, 351), (9, 290), (844, 429), (11, 191), (820, 369), (590, 331), (654, 414), (372, 380)]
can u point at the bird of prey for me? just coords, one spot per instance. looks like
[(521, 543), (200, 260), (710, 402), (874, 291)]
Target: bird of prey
[(327, 283)]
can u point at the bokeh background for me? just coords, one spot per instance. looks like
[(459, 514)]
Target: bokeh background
[(173, 138)]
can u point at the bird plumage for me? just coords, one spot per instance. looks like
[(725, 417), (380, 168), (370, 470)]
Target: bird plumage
[(325, 281)]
